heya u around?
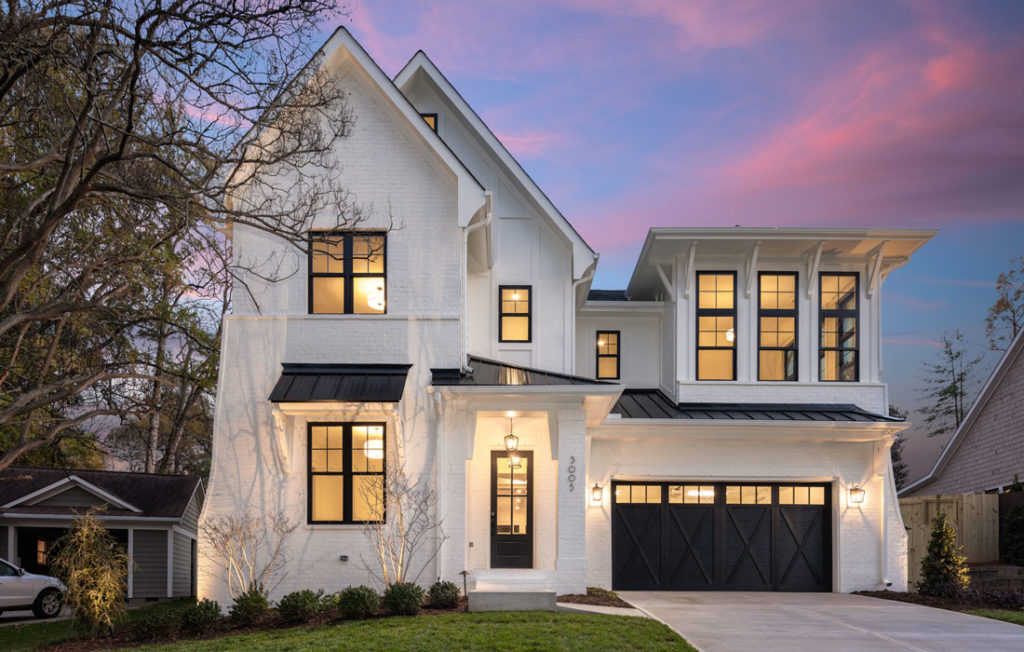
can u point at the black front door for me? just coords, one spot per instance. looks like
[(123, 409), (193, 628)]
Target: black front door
[(511, 509)]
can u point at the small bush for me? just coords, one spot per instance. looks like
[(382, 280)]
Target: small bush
[(1011, 536), (158, 622), (944, 568), (403, 598), (598, 592), (444, 595), (251, 606), (357, 602), (300, 606), (200, 616)]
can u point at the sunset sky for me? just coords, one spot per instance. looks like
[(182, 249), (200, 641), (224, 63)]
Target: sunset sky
[(633, 114)]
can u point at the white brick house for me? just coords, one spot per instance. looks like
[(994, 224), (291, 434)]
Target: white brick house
[(719, 424)]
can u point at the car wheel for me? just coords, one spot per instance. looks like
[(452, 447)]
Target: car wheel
[(48, 604)]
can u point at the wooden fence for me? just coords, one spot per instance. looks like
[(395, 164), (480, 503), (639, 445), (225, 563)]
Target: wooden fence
[(975, 517)]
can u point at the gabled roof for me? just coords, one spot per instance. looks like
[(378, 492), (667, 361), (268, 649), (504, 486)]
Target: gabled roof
[(653, 404), (583, 256), (492, 372), (1013, 352), (140, 495), (361, 383)]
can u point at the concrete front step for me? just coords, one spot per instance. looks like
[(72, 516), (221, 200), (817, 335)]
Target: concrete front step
[(512, 600)]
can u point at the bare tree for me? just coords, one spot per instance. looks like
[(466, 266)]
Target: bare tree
[(1006, 316), (127, 128), (403, 529), (249, 548), (949, 384)]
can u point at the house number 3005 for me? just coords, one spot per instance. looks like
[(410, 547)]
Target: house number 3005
[(572, 473)]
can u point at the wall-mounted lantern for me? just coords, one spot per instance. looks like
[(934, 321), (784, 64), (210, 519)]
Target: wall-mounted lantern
[(596, 494), (857, 495)]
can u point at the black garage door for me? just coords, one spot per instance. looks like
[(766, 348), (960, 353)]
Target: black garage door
[(676, 536)]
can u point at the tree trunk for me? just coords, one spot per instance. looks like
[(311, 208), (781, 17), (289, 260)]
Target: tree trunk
[(153, 442)]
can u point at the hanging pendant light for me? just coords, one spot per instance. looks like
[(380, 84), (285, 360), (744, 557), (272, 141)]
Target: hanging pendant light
[(511, 441)]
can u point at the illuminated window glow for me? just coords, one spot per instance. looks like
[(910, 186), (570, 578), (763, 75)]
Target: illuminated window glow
[(347, 273), (838, 321), (777, 323), (346, 472), (716, 326), (515, 313), (608, 355)]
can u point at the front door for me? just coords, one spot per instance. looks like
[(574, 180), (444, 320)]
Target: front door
[(511, 509)]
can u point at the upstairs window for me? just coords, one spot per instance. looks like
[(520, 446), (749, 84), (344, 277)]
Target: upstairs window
[(515, 313), (608, 355), (347, 273), (838, 315), (431, 120), (777, 319), (346, 473), (716, 325)]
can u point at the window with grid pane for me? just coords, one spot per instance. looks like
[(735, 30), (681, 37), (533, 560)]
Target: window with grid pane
[(608, 355), (514, 313), (777, 324), (838, 317), (347, 273), (346, 473), (716, 325)]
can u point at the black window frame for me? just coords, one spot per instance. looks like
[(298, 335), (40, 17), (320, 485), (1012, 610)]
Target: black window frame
[(347, 472), (794, 313), (716, 312), (529, 314), (430, 115), (617, 355), (347, 274), (839, 314)]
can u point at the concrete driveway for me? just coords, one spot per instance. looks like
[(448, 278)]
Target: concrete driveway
[(820, 621)]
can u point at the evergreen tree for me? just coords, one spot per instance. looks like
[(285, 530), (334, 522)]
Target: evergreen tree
[(944, 568), (900, 470), (949, 385)]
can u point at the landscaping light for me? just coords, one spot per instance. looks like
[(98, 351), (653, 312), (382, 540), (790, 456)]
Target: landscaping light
[(596, 493), (857, 496)]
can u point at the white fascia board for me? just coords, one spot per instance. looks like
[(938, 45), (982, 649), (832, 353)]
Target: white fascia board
[(1002, 367), (62, 485), (624, 307), (716, 429), (596, 400), (583, 255)]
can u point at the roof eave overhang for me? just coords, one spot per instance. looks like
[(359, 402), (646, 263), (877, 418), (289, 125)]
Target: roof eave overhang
[(596, 400), (821, 431), (313, 408)]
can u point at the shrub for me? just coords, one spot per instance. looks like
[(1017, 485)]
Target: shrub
[(199, 616), (598, 592), (158, 622), (95, 569), (300, 606), (357, 602), (944, 568), (1011, 536), (403, 598), (251, 606), (444, 595)]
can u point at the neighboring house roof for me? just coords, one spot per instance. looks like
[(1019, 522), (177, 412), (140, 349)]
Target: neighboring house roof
[(653, 404), (492, 372), (130, 494), (1013, 352), (606, 295), (359, 383), (583, 255)]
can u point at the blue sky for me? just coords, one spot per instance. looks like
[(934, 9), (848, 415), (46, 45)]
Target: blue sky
[(633, 114)]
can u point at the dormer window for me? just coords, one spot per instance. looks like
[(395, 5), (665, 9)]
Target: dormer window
[(431, 120), (716, 325), (838, 317), (347, 273), (515, 313), (777, 320)]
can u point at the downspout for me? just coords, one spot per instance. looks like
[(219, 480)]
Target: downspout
[(441, 475), (486, 222), (884, 566), (572, 323)]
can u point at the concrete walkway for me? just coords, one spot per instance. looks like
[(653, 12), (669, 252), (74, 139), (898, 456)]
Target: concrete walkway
[(835, 622)]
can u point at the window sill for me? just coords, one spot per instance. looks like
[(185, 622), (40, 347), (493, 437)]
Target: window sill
[(341, 527)]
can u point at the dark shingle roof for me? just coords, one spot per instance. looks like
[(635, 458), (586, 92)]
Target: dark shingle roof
[(159, 496), (606, 295), (492, 372), (653, 404), (361, 383)]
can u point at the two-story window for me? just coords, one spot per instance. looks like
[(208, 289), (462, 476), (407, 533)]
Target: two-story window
[(608, 355), (838, 317), (716, 325), (777, 324), (346, 473), (347, 273), (515, 313)]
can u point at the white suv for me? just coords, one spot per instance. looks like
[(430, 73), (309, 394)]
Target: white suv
[(43, 594)]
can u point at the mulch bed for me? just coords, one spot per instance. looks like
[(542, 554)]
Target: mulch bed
[(929, 601), (599, 600)]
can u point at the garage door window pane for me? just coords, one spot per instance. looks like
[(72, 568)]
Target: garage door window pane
[(732, 495), (785, 495), (654, 493), (817, 496), (675, 494), (622, 494)]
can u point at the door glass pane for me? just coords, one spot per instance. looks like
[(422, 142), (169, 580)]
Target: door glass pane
[(327, 498), (328, 295), (504, 515), (519, 513)]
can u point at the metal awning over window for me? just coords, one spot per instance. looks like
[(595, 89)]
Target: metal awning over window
[(354, 383)]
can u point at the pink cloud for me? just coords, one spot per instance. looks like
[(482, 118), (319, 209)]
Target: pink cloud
[(531, 144)]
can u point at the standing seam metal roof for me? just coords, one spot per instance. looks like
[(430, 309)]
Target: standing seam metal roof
[(653, 404)]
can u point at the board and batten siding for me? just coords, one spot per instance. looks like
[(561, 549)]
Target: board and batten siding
[(182, 586), (150, 557), (73, 497)]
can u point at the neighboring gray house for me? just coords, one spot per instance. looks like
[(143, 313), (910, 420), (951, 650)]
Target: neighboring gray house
[(987, 450), (155, 517)]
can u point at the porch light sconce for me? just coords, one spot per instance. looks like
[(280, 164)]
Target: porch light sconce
[(511, 441), (857, 496), (596, 494)]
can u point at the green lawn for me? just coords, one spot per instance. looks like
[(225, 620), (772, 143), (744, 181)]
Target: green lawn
[(484, 631), (1015, 617), (39, 633)]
